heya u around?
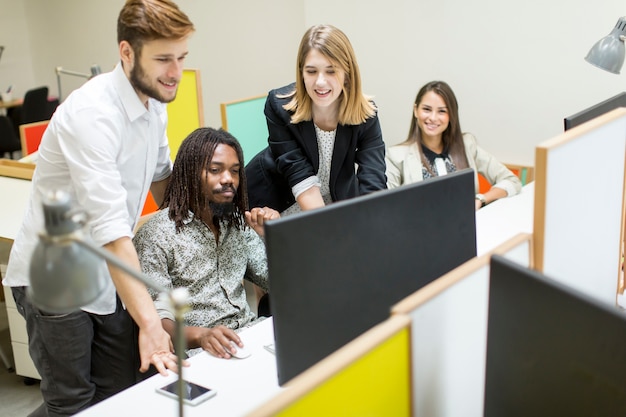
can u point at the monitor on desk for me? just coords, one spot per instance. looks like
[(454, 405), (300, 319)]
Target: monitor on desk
[(335, 272), (595, 111), (551, 351)]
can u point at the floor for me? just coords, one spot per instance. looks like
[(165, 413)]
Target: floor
[(18, 395)]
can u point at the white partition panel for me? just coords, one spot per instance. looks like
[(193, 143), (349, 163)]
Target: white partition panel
[(579, 190), (449, 335)]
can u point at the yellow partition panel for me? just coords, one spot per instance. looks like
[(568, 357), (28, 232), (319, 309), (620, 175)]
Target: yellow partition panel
[(371, 376), (186, 113)]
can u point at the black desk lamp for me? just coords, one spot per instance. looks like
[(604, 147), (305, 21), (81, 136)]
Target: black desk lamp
[(65, 271), (94, 70), (608, 52)]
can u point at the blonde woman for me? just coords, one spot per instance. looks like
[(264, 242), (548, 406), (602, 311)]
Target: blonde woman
[(325, 141)]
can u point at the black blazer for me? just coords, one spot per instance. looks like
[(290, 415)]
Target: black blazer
[(292, 156)]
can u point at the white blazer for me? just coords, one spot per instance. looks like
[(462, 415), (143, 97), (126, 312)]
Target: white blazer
[(404, 166)]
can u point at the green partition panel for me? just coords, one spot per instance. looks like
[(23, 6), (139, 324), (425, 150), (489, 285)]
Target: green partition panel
[(245, 120)]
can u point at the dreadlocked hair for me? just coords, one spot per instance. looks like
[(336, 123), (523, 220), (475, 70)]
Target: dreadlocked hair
[(186, 192)]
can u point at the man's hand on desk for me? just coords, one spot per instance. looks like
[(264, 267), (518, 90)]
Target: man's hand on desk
[(216, 340), (155, 347)]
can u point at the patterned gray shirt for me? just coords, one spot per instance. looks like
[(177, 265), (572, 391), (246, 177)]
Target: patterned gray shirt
[(212, 272)]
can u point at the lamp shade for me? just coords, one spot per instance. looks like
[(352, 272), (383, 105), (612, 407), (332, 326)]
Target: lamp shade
[(64, 276), (608, 53)]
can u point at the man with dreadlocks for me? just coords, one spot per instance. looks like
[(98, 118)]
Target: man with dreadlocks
[(205, 240)]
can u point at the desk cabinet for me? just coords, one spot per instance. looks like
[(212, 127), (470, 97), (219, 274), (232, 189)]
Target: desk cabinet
[(10, 220), (19, 339)]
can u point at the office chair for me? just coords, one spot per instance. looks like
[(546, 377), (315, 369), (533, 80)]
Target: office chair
[(9, 141), (36, 106)]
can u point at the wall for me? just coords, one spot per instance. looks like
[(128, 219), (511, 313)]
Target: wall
[(242, 48), (517, 68), (16, 67)]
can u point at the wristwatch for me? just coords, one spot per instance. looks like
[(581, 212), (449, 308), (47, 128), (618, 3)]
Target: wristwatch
[(482, 199)]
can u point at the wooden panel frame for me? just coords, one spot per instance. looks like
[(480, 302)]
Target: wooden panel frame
[(581, 253), (449, 334), (224, 107), (436, 287)]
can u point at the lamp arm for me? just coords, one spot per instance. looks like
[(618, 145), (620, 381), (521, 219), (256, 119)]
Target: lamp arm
[(60, 70), (66, 229), (103, 253)]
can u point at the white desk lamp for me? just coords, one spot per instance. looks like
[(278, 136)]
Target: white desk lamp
[(94, 70), (65, 266), (608, 52)]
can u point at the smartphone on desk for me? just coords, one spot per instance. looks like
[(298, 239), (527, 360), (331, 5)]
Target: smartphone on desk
[(193, 393)]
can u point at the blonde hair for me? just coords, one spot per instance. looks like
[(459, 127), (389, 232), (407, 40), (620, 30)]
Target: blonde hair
[(354, 107)]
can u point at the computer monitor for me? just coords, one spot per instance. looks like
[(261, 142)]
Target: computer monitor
[(595, 111), (335, 272), (551, 351)]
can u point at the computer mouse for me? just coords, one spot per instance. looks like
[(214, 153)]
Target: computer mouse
[(241, 352)]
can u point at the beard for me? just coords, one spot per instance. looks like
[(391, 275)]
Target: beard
[(139, 81), (222, 211)]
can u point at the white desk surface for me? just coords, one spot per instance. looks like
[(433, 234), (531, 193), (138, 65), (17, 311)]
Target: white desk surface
[(504, 219), (15, 196), (242, 385)]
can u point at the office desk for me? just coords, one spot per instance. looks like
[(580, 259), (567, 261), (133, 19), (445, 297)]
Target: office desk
[(15, 194), (13, 103), (241, 384), (505, 218), (4, 105)]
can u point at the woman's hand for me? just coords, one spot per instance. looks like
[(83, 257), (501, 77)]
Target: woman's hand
[(257, 217)]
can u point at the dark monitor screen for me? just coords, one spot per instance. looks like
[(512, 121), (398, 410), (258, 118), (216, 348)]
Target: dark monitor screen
[(595, 111), (551, 351), (335, 272)]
